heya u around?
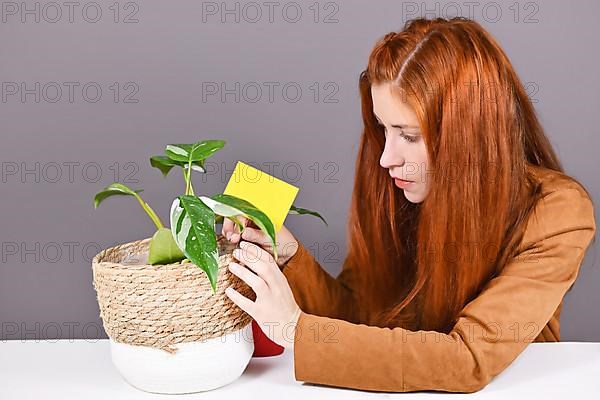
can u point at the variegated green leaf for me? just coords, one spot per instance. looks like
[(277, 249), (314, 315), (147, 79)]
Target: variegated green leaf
[(193, 152), (230, 206), (193, 227), (165, 164), (220, 208), (118, 189), (163, 249), (300, 211), (114, 189)]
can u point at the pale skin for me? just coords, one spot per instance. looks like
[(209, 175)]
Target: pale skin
[(275, 309), (405, 152)]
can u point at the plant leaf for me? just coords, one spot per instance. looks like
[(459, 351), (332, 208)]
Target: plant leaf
[(300, 211), (193, 152), (196, 166), (114, 189), (238, 223), (193, 228), (230, 206), (163, 249), (221, 207), (165, 164)]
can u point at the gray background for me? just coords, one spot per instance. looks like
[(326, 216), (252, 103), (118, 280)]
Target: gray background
[(163, 66)]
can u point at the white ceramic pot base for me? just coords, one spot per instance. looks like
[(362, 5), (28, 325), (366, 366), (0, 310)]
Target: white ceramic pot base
[(195, 367)]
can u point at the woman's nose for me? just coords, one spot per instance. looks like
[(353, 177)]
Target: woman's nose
[(390, 156)]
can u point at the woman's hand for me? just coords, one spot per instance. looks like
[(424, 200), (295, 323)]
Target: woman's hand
[(275, 309), (287, 245)]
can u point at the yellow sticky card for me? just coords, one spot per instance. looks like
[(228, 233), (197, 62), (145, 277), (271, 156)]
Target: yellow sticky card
[(271, 195)]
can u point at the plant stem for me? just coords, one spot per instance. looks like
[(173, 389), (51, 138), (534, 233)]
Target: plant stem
[(186, 175), (185, 179), (150, 212), (189, 189)]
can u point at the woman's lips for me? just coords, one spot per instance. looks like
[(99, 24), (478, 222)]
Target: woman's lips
[(402, 184), (400, 179)]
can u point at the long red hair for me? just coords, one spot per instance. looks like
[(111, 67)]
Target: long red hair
[(420, 264)]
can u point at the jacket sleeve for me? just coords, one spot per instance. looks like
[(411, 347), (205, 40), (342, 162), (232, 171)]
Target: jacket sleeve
[(317, 292), (490, 332)]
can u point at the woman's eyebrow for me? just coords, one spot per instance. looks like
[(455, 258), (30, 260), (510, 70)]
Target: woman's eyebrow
[(399, 126)]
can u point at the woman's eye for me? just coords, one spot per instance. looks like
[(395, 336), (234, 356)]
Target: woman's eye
[(410, 139)]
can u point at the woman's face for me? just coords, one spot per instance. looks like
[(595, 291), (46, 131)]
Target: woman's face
[(405, 153)]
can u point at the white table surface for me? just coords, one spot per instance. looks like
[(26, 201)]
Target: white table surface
[(82, 369)]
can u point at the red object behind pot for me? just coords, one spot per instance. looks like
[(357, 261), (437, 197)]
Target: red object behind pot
[(263, 346)]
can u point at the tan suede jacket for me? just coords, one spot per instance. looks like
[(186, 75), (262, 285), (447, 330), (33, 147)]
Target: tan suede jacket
[(333, 346)]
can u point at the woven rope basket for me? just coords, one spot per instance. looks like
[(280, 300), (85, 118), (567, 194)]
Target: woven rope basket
[(162, 305)]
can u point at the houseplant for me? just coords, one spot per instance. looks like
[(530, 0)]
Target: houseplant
[(171, 327)]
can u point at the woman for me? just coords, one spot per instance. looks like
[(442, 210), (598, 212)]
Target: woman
[(464, 232)]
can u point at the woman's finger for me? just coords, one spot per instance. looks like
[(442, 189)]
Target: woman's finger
[(253, 252), (254, 281), (227, 227), (241, 301), (257, 236), (259, 261), (253, 262), (235, 232)]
